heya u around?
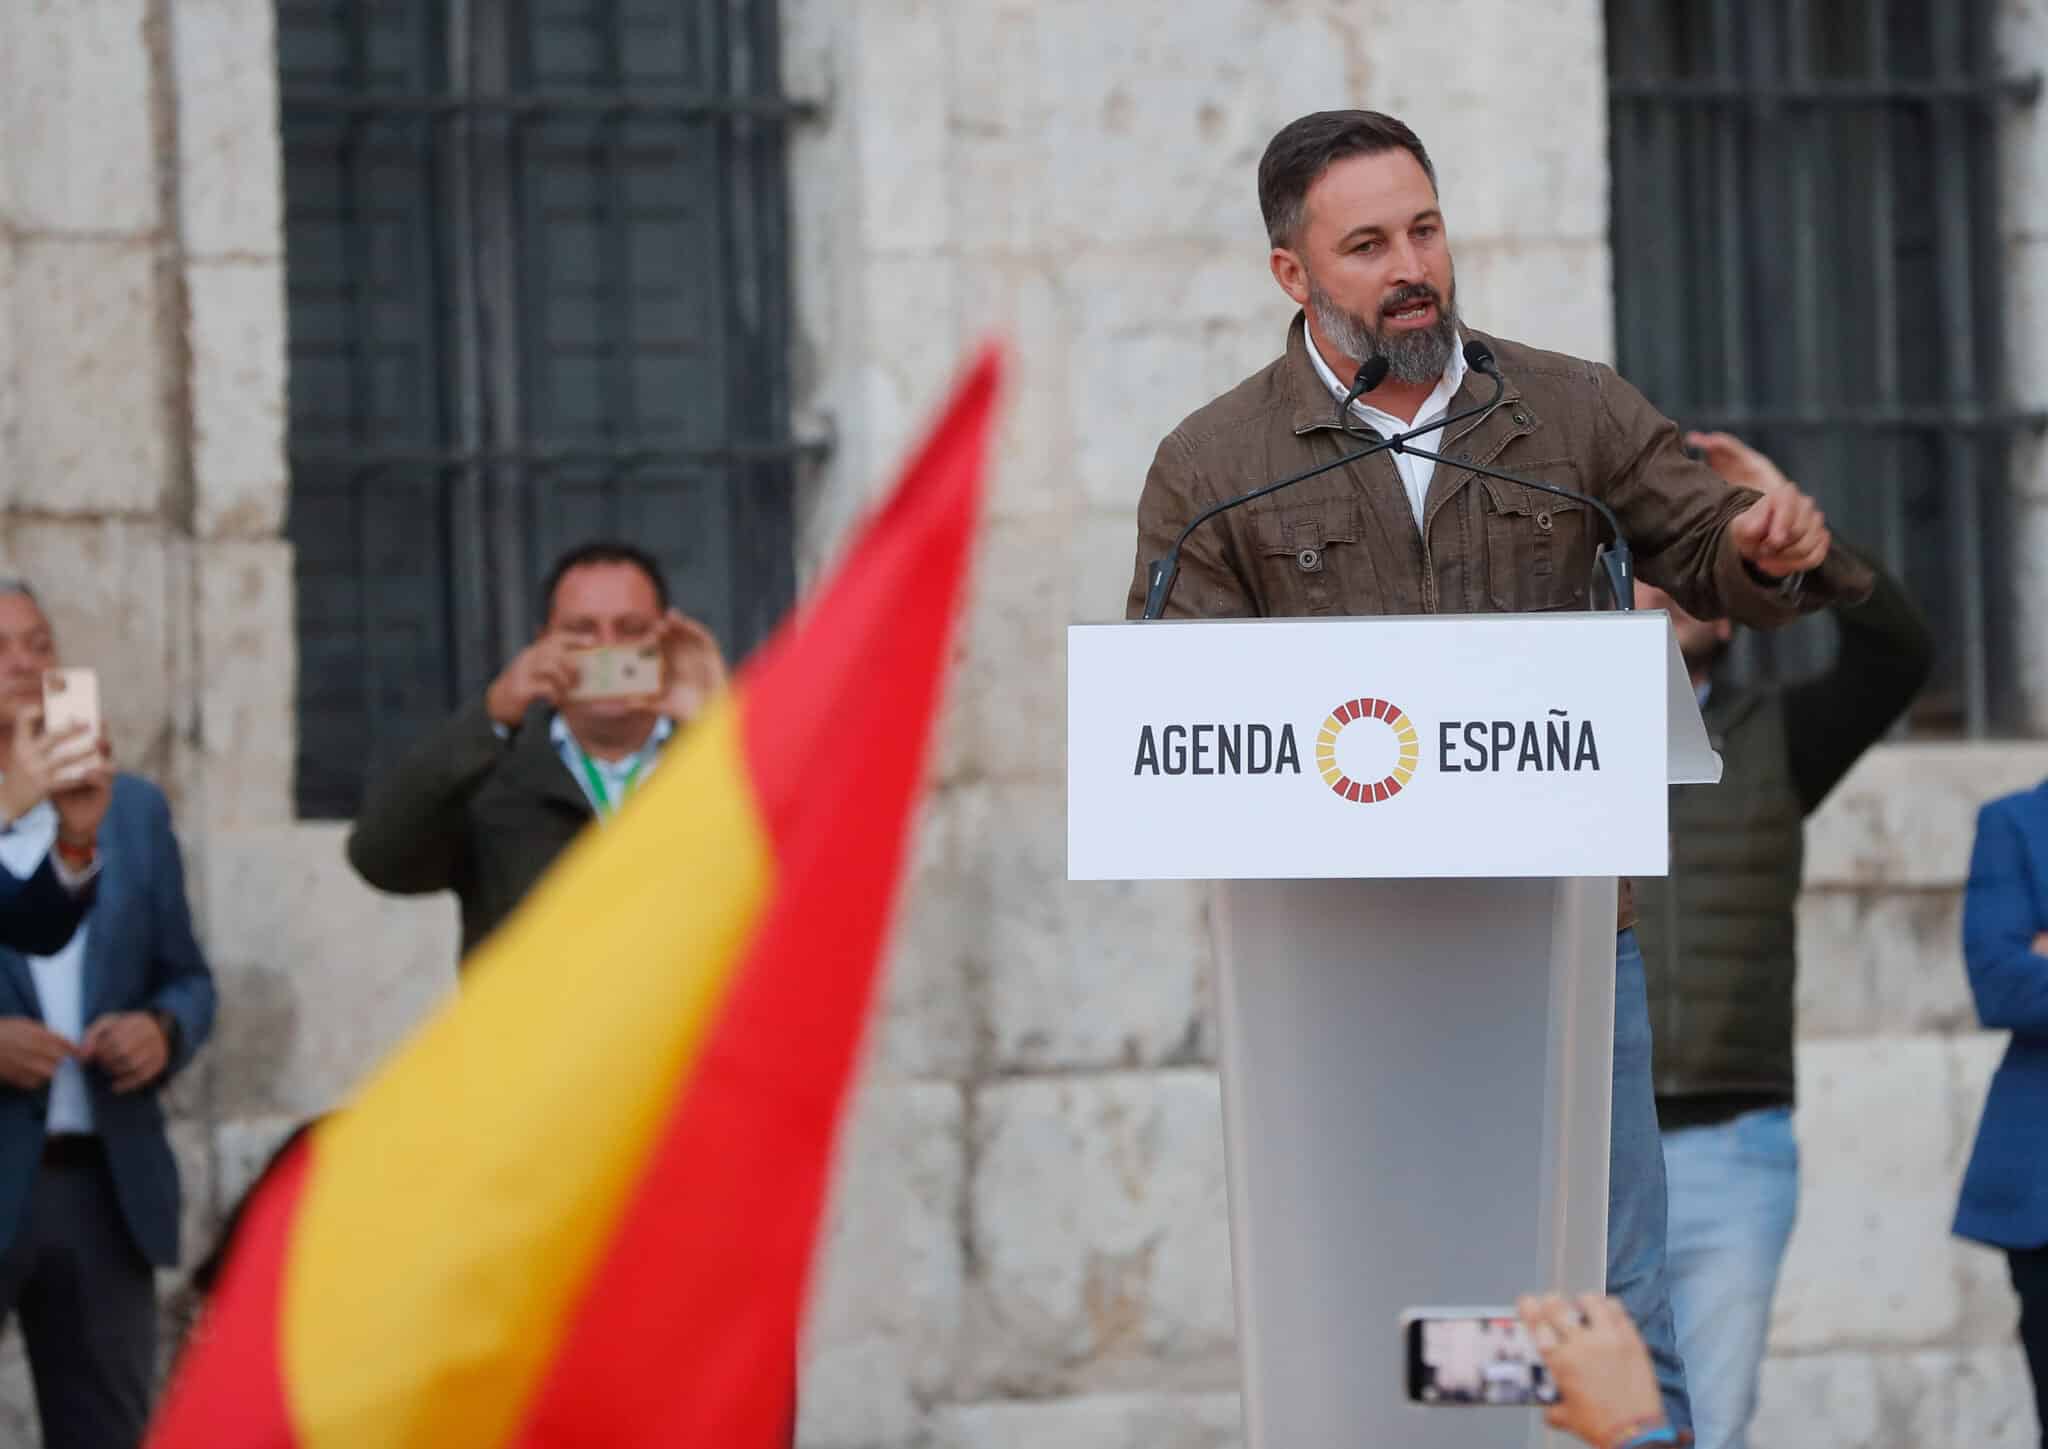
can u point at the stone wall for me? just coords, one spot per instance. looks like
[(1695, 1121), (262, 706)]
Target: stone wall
[(1028, 1244)]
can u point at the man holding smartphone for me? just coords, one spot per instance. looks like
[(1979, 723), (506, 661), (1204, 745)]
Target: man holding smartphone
[(574, 724), (91, 1029)]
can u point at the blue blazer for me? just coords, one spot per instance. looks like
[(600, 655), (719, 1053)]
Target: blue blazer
[(2005, 1189), (141, 956)]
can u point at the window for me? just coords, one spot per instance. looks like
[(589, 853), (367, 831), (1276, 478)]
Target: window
[(1806, 236), (537, 293)]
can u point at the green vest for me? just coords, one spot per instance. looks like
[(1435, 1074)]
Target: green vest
[(1718, 933)]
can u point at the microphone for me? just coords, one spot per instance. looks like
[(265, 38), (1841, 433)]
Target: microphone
[(1371, 373)]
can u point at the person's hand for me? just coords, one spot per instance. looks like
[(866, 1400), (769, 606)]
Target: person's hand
[(1782, 533), (1606, 1389), (542, 670), (692, 668), (129, 1046), (41, 761), (82, 790), (30, 1052), (1739, 463)]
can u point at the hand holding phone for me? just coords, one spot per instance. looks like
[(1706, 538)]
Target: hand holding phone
[(618, 671), (71, 711), (1480, 1356)]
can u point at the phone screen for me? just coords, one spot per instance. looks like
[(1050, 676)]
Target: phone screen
[(1475, 1359)]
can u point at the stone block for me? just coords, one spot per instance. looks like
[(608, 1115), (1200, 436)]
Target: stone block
[(929, 1020), (1859, 1399), (1105, 561), (1882, 963), (243, 1147), (237, 339), (1099, 1226), (1884, 1129), (885, 1322), (1104, 1421), (319, 976), (10, 416), (1025, 304), (1907, 813), (192, 1147), (2021, 38), (109, 588), (92, 426), (1079, 126), (2026, 351), (892, 367), (18, 1423), (895, 77), (230, 196), (1008, 701), (1080, 974), (1557, 295), (76, 98), (247, 678)]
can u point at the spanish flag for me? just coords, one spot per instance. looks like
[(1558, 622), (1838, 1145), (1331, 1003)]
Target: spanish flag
[(579, 1206)]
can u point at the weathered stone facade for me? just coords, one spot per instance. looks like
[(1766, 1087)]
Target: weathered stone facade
[(1028, 1245)]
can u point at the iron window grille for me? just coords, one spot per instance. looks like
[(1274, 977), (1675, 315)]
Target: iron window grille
[(537, 286), (1806, 252)]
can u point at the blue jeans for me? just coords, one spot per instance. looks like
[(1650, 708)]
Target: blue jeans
[(1637, 1216), (1734, 1194)]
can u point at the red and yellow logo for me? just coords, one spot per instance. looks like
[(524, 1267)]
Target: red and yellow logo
[(1406, 741)]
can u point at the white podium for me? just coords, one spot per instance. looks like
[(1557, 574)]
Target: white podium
[(1416, 824)]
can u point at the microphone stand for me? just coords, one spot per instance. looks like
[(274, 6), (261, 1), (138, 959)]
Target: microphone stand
[(1159, 584)]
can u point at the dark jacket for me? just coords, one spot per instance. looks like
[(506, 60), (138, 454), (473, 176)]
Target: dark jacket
[(1345, 542), (39, 914), (141, 955), (470, 812), (1718, 932), (2005, 906)]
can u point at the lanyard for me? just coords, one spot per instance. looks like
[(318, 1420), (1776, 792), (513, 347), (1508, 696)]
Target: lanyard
[(599, 796)]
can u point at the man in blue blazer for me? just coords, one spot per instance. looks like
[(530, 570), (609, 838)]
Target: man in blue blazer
[(2005, 945), (89, 1035)]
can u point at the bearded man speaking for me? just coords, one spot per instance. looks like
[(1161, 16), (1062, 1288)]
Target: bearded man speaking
[(1359, 241)]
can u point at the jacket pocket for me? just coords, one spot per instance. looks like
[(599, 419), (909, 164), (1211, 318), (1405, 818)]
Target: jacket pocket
[(1312, 560), (1539, 552)]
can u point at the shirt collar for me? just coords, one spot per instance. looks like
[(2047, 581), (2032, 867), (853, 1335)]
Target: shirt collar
[(558, 731), (1446, 388)]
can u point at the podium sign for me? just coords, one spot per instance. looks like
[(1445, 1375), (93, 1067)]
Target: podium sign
[(1432, 745), (1416, 1072)]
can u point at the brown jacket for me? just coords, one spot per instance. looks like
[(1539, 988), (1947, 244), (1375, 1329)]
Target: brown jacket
[(1345, 542)]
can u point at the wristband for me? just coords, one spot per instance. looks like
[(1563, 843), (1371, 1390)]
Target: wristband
[(1660, 1433), (77, 856)]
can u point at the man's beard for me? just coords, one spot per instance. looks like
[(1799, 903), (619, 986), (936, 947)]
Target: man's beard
[(1414, 355)]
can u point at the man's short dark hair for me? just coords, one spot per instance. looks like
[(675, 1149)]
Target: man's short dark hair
[(601, 551), (1302, 151)]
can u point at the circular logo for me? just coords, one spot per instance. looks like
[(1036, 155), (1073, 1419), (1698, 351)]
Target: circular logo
[(1408, 745)]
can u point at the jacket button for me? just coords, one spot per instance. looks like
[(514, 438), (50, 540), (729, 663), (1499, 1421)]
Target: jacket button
[(1462, 457), (1521, 420), (1543, 521), (1310, 560)]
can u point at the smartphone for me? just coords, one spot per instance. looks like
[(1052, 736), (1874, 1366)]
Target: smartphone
[(71, 697), (1472, 1356), (618, 671)]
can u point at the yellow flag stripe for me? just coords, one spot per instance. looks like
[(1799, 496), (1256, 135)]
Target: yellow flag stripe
[(454, 1211)]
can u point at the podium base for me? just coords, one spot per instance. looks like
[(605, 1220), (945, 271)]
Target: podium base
[(1416, 1091)]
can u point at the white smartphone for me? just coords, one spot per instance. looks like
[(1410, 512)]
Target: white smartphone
[(1479, 1356), (71, 697)]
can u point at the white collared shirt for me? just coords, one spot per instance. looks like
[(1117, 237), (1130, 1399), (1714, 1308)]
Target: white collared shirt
[(1415, 472), (60, 979), (619, 776)]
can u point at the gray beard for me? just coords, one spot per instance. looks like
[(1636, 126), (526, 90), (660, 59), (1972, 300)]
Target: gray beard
[(1412, 357)]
